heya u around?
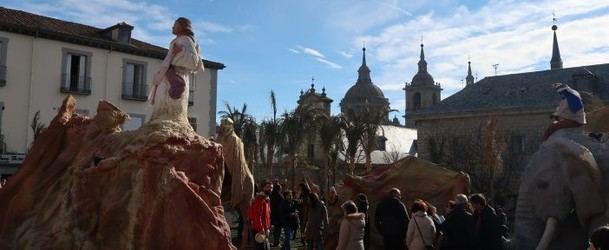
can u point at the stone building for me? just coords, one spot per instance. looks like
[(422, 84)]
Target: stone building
[(43, 60), (320, 101), (521, 103), (422, 92), (364, 96)]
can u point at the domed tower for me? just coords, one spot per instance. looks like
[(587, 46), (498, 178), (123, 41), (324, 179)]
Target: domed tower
[(364, 96), (315, 99), (422, 91)]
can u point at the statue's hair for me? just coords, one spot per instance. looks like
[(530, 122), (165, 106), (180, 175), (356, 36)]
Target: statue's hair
[(186, 25)]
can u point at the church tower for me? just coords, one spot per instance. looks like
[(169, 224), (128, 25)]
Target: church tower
[(422, 92), (556, 61)]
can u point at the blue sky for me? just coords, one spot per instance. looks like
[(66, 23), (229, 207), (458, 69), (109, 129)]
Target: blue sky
[(280, 44)]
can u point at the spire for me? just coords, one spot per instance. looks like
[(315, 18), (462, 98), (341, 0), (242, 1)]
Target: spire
[(556, 61), (469, 79), (364, 71), (422, 62)]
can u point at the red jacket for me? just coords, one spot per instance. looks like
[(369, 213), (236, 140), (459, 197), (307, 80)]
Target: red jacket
[(259, 213)]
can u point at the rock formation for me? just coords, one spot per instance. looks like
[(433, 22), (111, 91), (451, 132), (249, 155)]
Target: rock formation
[(86, 185), (416, 178)]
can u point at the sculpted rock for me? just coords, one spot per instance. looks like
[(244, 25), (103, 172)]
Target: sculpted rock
[(416, 178), (86, 185)]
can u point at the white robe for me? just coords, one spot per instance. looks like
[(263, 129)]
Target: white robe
[(185, 62)]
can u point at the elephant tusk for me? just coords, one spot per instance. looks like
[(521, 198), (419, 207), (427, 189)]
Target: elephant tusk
[(548, 234)]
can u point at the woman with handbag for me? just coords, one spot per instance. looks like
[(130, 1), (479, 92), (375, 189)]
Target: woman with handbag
[(421, 230)]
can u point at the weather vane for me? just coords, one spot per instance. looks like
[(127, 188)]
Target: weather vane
[(554, 17)]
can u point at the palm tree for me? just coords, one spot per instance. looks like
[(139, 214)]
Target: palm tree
[(330, 136), (270, 136), (295, 127), (353, 128), (371, 124)]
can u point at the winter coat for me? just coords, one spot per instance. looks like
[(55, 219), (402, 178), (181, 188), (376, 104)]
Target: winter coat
[(458, 230), (289, 214), (276, 201), (391, 218), (351, 234), (335, 215), (486, 230), (259, 213), (317, 220), (416, 240)]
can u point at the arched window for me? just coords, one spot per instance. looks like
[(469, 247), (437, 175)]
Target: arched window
[(417, 100)]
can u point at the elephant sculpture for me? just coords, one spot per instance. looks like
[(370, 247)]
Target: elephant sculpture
[(563, 193)]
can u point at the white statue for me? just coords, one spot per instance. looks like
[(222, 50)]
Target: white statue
[(169, 95)]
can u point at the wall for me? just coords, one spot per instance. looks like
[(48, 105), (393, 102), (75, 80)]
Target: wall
[(529, 125), (34, 68)]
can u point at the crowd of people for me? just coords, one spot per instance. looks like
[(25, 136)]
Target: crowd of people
[(276, 215)]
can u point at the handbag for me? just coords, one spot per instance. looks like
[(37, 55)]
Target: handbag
[(427, 246)]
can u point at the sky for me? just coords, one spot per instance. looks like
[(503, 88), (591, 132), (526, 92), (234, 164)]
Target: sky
[(281, 45)]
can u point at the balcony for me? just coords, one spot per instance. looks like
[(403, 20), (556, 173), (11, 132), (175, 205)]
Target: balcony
[(135, 92), (2, 75), (79, 86)]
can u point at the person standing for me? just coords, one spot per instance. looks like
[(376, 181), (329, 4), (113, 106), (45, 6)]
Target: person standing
[(362, 207), (421, 230), (335, 214), (289, 219), (486, 224), (276, 200), (458, 228), (259, 215), (391, 219), (351, 233), (317, 222)]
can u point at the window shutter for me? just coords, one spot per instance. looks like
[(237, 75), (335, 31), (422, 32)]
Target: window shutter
[(66, 77), (129, 77)]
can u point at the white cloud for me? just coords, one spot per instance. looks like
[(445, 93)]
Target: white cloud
[(345, 54), (315, 54), (331, 64), (514, 34), (214, 27)]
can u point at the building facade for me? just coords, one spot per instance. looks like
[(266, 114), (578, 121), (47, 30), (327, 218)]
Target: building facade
[(520, 103), (422, 92), (43, 60)]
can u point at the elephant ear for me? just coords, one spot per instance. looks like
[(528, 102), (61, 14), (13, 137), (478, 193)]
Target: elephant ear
[(584, 179)]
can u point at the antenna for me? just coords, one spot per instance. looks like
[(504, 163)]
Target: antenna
[(496, 66)]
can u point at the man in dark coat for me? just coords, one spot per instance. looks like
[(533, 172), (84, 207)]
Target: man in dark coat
[(458, 228), (276, 201), (486, 224), (391, 219)]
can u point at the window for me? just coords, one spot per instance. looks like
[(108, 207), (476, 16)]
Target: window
[(3, 47), (381, 143), (134, 81), (193, 123), (75, 76), (83, 112), (435, 98), (134, 123), (192, 80), (417, 100), (311, 151)]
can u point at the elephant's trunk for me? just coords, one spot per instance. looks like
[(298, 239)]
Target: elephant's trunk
[(528, 228), (548, 234)]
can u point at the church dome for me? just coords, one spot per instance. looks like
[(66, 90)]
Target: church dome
[(422, 78), (364, 91)]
